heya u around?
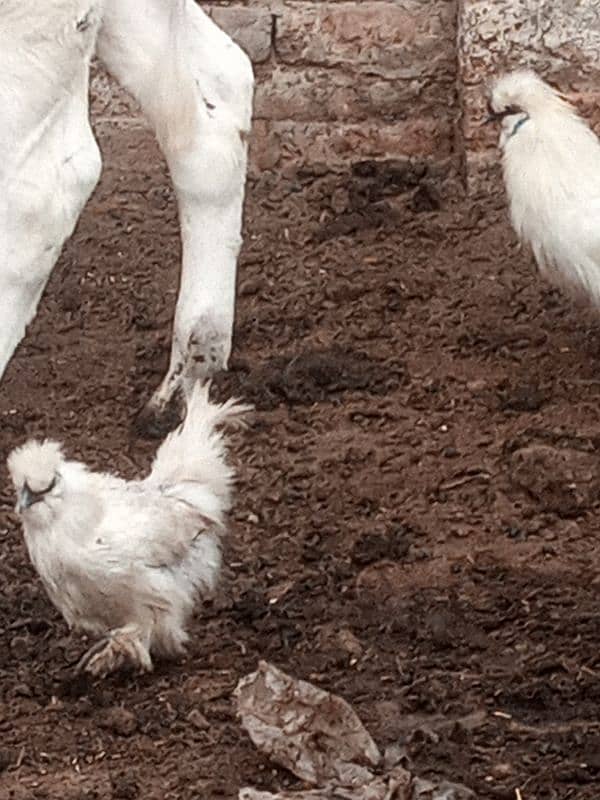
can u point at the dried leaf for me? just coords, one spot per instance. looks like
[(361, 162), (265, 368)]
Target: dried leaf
[(395, 786), (318, 737), (314, 734)]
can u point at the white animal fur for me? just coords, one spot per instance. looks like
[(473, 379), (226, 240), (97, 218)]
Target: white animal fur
[(196, 87), (128, 559), (551, 162)]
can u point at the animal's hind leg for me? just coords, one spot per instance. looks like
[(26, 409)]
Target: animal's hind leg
[(49, 159), (196, 86)]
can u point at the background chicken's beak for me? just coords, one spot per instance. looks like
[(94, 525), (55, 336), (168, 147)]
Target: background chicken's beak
[(491, 118), (26, 499)]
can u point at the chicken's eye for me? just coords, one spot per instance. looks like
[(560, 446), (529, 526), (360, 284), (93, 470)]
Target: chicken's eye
[(50, 486), (42, 492), (509, 110)]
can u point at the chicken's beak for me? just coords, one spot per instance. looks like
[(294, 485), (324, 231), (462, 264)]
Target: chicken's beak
[(492, 114), (25, 499)]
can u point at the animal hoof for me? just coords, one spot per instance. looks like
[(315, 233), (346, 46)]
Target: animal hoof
[(155, 422)]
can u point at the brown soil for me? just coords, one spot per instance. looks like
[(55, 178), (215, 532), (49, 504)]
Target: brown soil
[(416, 524)]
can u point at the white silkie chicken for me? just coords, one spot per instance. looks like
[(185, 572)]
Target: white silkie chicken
[(551, 163), (127, 560)]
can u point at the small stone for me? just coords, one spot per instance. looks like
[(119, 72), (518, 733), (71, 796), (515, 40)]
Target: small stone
[(503, 770), (20, 647), (119, 721), (348, 642), (339, 200), (250, 287), (198, 720), (476, 386), (22, 690)]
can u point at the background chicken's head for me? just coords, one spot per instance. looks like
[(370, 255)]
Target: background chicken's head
[(519, 96)]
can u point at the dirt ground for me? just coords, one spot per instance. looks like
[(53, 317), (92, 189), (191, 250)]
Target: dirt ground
[(416, 526)]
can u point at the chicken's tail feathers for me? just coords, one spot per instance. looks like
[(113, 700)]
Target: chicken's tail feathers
[(196, 451), (233, 413), (203, 414)]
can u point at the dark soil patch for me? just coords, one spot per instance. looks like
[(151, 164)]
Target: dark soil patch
[(309, 377)]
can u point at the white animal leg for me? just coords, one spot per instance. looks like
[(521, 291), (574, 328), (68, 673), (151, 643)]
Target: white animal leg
[(49, 159), (196, 87), (126, 645)]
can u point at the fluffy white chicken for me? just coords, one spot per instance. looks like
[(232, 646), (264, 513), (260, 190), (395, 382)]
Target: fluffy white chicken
[(127, 560), (551, 161)]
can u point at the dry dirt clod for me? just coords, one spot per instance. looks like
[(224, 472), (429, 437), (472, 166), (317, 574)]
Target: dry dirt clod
[(119, 721), (198, 720), (562, 480)]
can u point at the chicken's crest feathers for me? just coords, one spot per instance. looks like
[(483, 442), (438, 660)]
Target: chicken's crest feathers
[(525, 90), (35, 464)]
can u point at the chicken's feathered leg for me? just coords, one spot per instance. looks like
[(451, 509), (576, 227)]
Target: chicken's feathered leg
[(126, 645)]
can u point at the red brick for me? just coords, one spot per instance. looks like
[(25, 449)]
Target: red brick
[(405, 39), (317, 94), (277, 143), (251, 28)]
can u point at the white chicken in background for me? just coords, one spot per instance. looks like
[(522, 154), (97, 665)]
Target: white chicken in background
[(551, 163), (127, 560)]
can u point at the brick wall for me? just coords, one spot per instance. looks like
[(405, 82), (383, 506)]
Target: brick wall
[(345, 81), (373, 79)]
